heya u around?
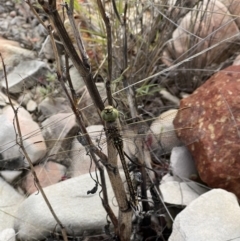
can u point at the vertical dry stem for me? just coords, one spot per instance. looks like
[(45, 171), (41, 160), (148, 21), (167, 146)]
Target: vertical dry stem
[(125, 212), (109, 51), (19, 141), (92, 149), (125, 215)]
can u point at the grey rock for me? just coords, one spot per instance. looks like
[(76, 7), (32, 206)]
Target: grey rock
[(31, 106), (10, 176), (5, 101), (11, 154), (169, 178), (25, 75), (76, 78), (4, 25), (47, 49), (162, 137), (237, 60), (80, 161), (180, 193), (50, 106), (214, 216), (10, 200), (13, 54), (25, 98), (86, 104), (58, 130), (168, 96), (182, 163), (77, 211), (7, 234)]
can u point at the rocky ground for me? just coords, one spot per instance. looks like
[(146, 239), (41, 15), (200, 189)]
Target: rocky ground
[(199, 189)]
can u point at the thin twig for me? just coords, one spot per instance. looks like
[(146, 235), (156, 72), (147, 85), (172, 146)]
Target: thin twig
[(77, 35), (68, 77), (109, 51), (129, 90), (19, 141), (35, 13)]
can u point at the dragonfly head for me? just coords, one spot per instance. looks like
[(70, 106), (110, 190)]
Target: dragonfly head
[(109, 114)]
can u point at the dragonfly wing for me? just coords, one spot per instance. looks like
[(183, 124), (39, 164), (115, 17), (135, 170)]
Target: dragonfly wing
[(80, 161)]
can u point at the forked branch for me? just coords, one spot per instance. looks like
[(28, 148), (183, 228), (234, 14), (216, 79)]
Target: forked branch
[(83, 68)]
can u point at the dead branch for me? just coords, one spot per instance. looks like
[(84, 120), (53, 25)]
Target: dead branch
[(109, 51), (83, 68)]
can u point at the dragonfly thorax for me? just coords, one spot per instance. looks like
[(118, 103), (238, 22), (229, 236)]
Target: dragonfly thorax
[(117, 141)]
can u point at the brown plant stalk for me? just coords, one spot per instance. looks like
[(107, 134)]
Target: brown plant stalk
[(91, 148), (19, 141), (123, 229)]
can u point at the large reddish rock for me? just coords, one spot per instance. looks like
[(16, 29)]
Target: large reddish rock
[(208, 123)]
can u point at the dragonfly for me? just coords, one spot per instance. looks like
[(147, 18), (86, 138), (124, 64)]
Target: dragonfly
[(122, 139), (73, 155), (110, 115)]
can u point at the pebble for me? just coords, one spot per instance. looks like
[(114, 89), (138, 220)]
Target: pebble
[(31, 106), (13, 14)]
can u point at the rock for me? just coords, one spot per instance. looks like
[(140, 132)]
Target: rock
[(25, 98), (48, 174), (180, 193), (50, 106), (202, 218), (214, 24), (86, 104), (80, 161), (169, 178), (11, 155), (5, 101), (10, 200), (207, 123), (236, 60), (10, 176), (77, 211), (182, 163), (7, 235), (59, 131), (13, 14), (76, 78), (233, 7), (162, 137), (26, 75), (13, 54), (47, 48), (31, 106), (168, 96)]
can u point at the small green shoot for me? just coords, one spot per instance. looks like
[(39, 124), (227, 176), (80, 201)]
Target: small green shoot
[(149, 89)]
